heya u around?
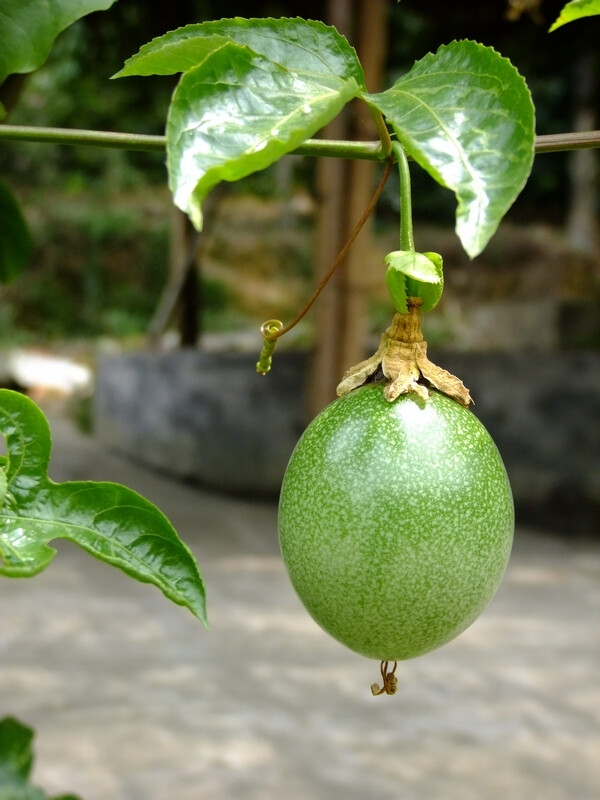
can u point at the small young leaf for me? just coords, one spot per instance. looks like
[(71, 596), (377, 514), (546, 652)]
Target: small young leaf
[(109, 521), (28, 29), (396, 283), (414, 265), (466, 116), (15, 242), (298, 44), (576, 9), (238, 112), (430, 292), (411, 274)]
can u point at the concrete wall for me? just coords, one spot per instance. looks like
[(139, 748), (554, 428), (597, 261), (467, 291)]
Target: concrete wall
[(210, 418), (204, 417)]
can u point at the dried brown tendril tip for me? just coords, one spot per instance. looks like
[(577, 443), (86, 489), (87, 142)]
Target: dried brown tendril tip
[(390, 681)]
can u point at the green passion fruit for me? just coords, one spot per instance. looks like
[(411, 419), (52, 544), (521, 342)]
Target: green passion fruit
[(395, 521)]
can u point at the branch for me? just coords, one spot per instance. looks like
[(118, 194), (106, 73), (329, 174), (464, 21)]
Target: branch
[(370, 151), (123, 141), (557, 142)]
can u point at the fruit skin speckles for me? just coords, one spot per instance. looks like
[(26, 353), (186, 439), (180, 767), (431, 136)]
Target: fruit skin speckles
[(395, 521)]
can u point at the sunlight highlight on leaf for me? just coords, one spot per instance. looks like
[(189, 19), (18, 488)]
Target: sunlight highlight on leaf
[(576, 9), (466, 116), (237, 113)]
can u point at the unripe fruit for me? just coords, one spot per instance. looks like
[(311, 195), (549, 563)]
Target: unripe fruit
[(395, 521)]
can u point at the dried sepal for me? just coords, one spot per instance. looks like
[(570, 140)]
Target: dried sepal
[(402, 356)]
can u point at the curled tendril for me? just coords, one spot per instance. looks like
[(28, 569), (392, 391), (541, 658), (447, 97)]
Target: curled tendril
[(269, 331), (390, 681)]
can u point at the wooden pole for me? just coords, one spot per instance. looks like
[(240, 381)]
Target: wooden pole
[(331, 177), (344, 189), (355, 281)]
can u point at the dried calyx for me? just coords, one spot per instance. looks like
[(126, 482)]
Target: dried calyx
[(402, 356)]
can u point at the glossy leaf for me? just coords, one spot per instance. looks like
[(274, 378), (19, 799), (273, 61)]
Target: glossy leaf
[(431, 291), (15, 241), (414, 265), (298, 44), (28, 29), (396, 284), (237, 113), (576, 9), (466, 116), (16, 762), (109, 521), (411, 274), (176, 51)]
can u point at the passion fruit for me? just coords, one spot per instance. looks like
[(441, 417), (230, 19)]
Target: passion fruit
[(395, 521)]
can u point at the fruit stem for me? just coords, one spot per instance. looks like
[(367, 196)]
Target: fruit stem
[(407, 241), (406, 328)]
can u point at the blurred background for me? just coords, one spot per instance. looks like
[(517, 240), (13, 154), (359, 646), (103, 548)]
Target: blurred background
[(152, 355)]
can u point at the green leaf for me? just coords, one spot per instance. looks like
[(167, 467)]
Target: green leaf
[(253, 90), (107, 520), (298, 44), (466, 116), (414, 265), (411, 274), (16, 762), (16, 753), (15, 241), (396, 283), (237, 113), (176, 51), (576, 9), (28, 29)]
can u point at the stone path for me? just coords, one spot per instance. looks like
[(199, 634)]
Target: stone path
[(133, 700)]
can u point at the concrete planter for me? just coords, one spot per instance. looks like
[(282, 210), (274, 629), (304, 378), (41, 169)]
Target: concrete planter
[(203, 416), (210, 418)]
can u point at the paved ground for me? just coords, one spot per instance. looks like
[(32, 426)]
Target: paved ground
[(133, 700)]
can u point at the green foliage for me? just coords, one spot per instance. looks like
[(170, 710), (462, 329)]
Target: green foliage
[(411, 274), (15, 241), (576, 9), (28, 30), (466, 116), (107, 520), (99, 267), (16, 763), (297, 44), (260, 87)]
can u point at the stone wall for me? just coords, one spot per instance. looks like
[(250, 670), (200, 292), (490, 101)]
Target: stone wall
[(210, 418)]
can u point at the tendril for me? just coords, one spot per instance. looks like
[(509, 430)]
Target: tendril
[(269, 331), (271, 336), (390, 681)]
